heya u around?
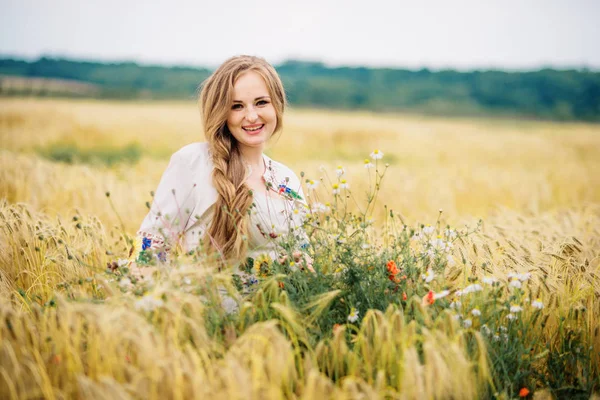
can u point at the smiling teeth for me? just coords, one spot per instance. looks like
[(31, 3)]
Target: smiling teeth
[(253, 129)]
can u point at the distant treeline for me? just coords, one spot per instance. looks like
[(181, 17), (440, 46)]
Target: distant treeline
[(547, 93)]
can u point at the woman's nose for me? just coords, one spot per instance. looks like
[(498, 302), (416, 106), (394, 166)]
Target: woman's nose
[(251, 115)]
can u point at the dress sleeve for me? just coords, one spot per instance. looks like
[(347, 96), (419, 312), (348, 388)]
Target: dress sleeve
[(171, 208)]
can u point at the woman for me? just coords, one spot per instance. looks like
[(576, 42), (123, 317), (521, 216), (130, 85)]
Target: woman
[(226, 195)]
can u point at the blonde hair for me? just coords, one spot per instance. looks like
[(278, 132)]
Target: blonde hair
[(228, 229)]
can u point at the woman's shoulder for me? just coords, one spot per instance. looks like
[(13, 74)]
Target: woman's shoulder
[(194, 155)]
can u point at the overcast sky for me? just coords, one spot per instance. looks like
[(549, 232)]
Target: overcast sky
[(509, 34)]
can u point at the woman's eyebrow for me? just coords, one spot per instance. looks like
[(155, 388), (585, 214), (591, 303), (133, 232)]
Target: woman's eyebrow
[(258, 98)]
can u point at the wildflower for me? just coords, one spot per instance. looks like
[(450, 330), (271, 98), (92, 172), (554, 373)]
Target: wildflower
[(392, 271), (312, 184), (392, 268), (475, 312), (136, 248), (353, 316), (515, 308), (503, 328), (340, 170), (404, 296), (377, 154), (368, 164), (262, 264), (428, 276), (428, 230), (496, 338), (467, 323), (456, 317), (450, 233), (336, 189), (297, 255), (447, 247), (319, 207), (485, 330), (456, 304), (148, 303), (441, 294), (521, 277), (365, 246), (515, 282), (429, 298), (537, 303), (475, 287), (344, 184), (437, 243), (281, 285), (511, 317), (524, 277), (524, 392), (489, 280)]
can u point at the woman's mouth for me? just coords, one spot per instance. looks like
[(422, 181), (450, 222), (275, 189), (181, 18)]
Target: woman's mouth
[(253, 129)]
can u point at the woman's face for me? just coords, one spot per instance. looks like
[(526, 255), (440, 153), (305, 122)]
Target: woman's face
[(252, 118)]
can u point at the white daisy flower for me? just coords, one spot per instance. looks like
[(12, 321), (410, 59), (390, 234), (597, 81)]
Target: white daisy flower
[(312, 184), (441, 294), (511, 317), (368, 164), (475, 287), (456, 304), (514, 308), (340, 170), (489, 280), (537, 303), (428, 230), (437, 243), (524, 277), (377, 154), (496, 338), (353, 316), (450, 233), (475, 312), (365, 246), (344, 184), (467, 323), (428, 276), (335, 189), (516, 283)]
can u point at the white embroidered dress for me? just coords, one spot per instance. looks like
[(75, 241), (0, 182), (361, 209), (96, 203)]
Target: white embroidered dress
[(184, 201)]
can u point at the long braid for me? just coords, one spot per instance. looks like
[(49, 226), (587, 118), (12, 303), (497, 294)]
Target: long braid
[(230, 220)]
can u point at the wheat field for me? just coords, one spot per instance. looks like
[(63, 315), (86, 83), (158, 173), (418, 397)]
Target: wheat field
[(535, 185)]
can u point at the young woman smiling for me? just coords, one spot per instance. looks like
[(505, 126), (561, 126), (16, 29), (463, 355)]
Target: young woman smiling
[(226, 194)]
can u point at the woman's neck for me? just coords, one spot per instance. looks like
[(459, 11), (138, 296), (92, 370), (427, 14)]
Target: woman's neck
[(253, 156)]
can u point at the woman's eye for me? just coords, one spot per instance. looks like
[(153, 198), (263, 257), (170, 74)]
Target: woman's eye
[(261, 102), (236, 106)]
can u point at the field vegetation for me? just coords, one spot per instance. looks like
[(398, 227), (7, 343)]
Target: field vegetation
[(473, 271)]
